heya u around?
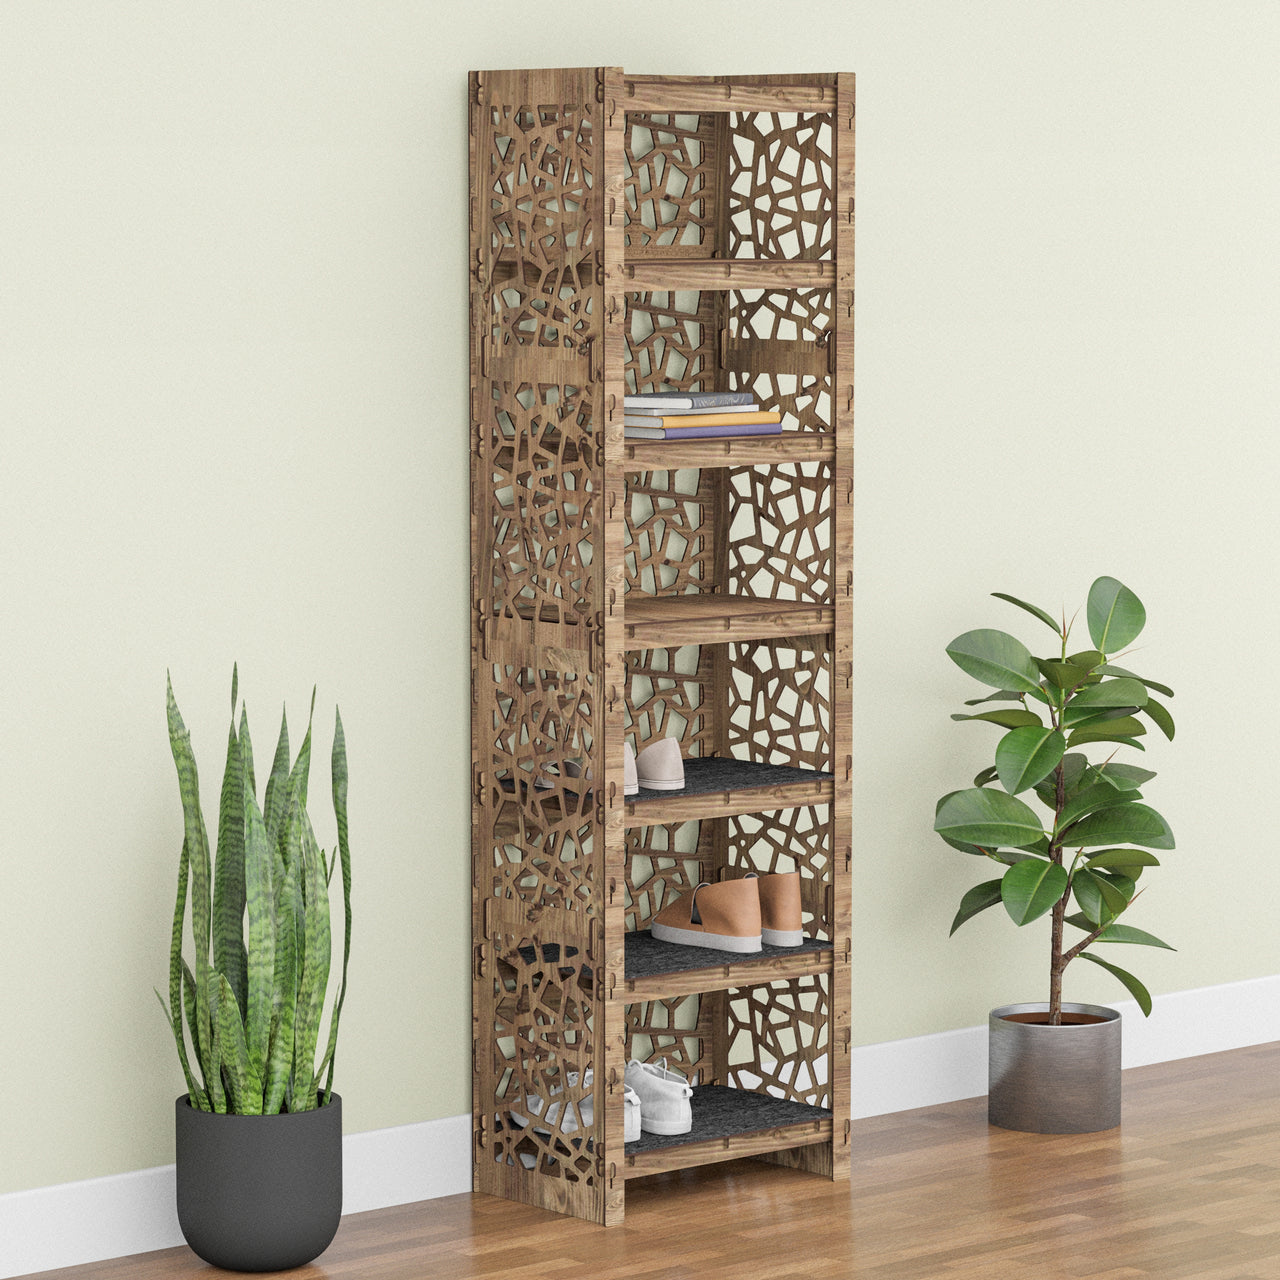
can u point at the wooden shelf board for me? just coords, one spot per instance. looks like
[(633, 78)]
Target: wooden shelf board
[(717, 787), (745, 1124), (649, 273), (729, 451), (665, 95), (667, 622), (694, 970)]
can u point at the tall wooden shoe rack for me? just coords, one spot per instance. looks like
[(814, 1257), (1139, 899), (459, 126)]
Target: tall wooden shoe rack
[(646, 233)]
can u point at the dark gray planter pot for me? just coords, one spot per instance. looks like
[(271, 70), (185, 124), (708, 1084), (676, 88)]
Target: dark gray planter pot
[(259, 1193), (1044, 1079)]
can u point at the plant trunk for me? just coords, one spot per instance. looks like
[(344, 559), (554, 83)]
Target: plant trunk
[(1055, 963)]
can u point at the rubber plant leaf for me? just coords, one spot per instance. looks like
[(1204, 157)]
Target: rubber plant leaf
[(1034, 610), (1124, 824), (1112, 693), (1129, 862), (984, 816), (1160, 717), (1132, 985), (1026, 755), (1032, 888), (1128, 934), (1110, 669), (997, 659), (1010, 718), (977, 900), (1116, 616)]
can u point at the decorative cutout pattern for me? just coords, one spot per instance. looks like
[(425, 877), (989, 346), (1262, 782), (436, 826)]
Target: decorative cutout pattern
[(668, 178), (668, 341), (778, 1039), (543, 819), (540, 176), (781, 519), (780, 703), (668, 541), (542, 1048), (780, 175), (666, 697), (677, 1030), (778, 345), (542, 456), (545, 307)]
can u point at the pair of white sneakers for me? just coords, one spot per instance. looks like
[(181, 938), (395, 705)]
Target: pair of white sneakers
[(663, 1097), (548, 1110), (658, 767)]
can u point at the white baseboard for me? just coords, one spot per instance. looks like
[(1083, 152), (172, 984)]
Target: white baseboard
[(130, 1213)]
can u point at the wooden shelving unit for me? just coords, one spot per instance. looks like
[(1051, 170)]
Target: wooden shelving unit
[(639, 233)]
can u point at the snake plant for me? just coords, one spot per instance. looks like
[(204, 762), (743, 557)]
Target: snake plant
[(1063, 707), (253, 1002)]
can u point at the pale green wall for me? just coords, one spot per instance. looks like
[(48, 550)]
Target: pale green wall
[(233, 426)]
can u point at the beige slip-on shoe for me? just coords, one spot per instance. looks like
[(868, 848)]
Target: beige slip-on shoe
[(659, 767), (780, 920), (630, 785), (725, 916)]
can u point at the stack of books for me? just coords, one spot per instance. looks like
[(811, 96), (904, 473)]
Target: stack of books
[(691, 415)]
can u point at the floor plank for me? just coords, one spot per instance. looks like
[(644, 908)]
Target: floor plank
[(1188, 1188)]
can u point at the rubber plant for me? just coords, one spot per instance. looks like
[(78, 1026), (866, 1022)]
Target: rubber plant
[(1095, 844), (252, 1001)]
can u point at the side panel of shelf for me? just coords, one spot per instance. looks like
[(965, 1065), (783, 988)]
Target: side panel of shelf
[(538, 406)]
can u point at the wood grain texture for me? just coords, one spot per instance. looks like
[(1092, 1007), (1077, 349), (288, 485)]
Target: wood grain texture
[(1188, 1188)]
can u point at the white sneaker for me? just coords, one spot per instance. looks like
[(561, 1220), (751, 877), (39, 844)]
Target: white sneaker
[(659, 766), (630, 785), (548, 1110), (631, 1114), (664, 1097)]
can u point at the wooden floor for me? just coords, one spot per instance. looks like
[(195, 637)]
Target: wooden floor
[(1188, 1187)]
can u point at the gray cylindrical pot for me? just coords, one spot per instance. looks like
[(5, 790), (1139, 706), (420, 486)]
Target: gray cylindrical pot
[(1044, 1079), (259, 1193)]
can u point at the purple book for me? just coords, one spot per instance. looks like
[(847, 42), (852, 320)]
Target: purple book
[(701, 433)]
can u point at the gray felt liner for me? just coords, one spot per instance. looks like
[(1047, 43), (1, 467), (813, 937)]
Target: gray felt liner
[(722, 773), (647, 957), (721, 1112)]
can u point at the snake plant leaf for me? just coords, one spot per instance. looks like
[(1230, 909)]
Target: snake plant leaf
[(1034, 610), (1011, 718), (1132, 985), (978, 899), (257, 859), (217, 1090), (1123, 824), (1031, 888), (1129, 862), (1121, 692), (196, 841), (1026, 755), (1124, 777), (1116, 616), (314, 963), (288, 907), (1123, 729), (1098, 898), (1110, 669), (338, 774), (243, 1087), (1128, 934), (1102, 795), (984, 816), (1160, 716), (275, 798), (229, 955), (997, 659)]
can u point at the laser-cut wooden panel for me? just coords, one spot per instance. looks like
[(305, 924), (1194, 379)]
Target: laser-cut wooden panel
[(780, 178), (669, 182), (669, 341), (781, 546), (789, 840), (779, 1037), (667, 698), (540, 983), (542, 820), (663, 863), (780, 704), (669, 540), (676, 1032)]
